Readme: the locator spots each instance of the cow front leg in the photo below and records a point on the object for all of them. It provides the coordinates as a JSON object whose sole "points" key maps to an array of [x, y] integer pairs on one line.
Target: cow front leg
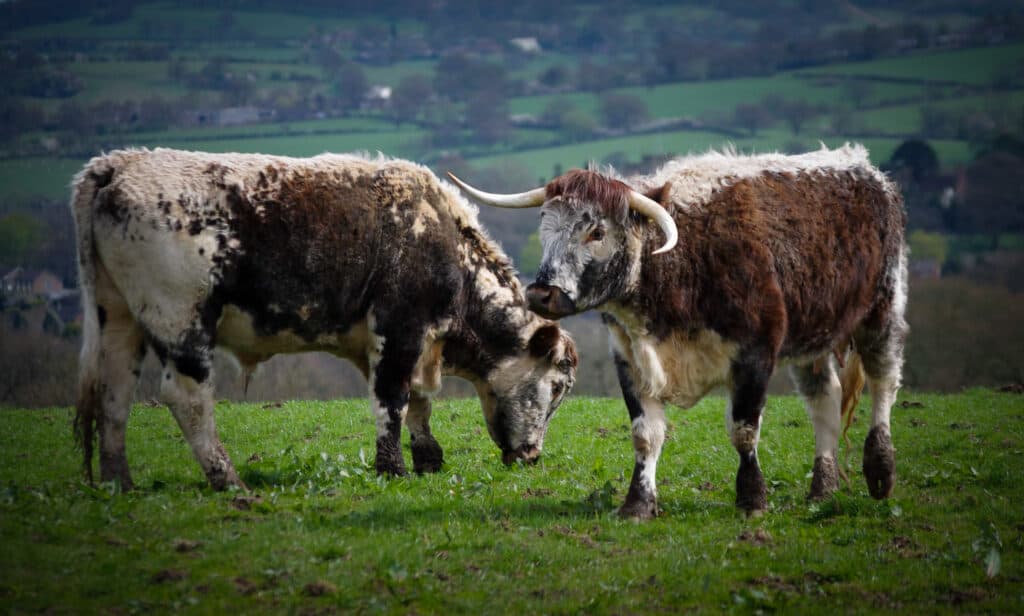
{"points": [[392, 360], [823, 397], [743, 422], [427, 455], [647, 417]]}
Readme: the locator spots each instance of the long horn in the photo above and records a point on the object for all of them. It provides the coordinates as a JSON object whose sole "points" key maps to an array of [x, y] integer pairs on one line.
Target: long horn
{"points": [[530, 198], [653, 210]]}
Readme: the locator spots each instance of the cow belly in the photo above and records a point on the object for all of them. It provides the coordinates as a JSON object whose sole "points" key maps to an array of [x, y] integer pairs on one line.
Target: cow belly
{"points": [[693, 365], [235, 333], [681, 368]]}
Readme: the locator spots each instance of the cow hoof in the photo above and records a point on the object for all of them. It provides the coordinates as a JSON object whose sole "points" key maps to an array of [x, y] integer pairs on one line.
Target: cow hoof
{"points": [[389, 459], [115, 468], [427, 458], [751, 492], [221, 480], [825, 478], [879, 463], [639, 509]]}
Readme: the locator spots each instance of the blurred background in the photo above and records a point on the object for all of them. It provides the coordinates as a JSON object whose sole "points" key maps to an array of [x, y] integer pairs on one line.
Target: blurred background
{"points": [[508, 95]]}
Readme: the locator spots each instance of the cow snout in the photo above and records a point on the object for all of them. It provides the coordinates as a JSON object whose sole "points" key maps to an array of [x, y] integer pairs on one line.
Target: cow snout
{"points": [[527, 454], [549, 302]]}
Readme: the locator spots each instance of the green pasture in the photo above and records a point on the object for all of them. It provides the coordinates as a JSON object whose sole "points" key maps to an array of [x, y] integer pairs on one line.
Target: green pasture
{"points": [[977, 66], [320, 532]]}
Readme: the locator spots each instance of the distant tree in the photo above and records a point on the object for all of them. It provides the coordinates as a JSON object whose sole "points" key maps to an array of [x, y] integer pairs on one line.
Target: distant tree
{"points": [[20, 233], [577, 125], [994, 203], [926, 245], [623, 110], [916, 157], [592, 77], [487, 116], [409, 97], [555, 110], [794, 112], [752, 117], [349, 86], [556, 76], [458, 77], [17, 117]]}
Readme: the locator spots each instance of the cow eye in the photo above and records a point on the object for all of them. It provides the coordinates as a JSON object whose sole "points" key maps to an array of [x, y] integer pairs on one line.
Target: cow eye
{"points": [[596, 235], [556, 390]]}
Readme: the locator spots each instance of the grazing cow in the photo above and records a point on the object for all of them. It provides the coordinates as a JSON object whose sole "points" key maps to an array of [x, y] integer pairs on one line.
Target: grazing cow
{"points": [[373, 260], [751, 260]]}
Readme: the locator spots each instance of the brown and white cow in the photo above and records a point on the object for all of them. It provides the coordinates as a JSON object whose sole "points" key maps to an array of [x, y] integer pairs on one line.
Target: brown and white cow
{"points": [[751, 260], [371, 259]]}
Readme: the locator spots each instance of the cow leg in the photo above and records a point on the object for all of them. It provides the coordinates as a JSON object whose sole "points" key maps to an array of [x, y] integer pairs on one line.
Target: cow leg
{"points": [[823, 395], [121, 353], [191, 402], [647, 417], [393, 357], [882, 366], [427, 456], [880, 343], [743, 422]]}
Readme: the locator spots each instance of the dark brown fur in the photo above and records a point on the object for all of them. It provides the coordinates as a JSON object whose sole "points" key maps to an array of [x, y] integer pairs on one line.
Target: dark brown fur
{"points": [[790, 263]]}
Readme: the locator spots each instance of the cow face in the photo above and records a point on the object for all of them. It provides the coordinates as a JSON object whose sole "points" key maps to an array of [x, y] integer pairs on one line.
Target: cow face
{"points": [[520, 395], [587, 257], [592, 234]]}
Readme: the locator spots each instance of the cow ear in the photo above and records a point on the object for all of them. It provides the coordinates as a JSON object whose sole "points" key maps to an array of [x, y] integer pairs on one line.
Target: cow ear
{"points": [[661, 194], [544, 340]]}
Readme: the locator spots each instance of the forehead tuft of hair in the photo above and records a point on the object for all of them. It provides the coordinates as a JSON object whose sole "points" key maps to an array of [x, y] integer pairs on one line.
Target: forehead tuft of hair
{"points": [[581, 187]]}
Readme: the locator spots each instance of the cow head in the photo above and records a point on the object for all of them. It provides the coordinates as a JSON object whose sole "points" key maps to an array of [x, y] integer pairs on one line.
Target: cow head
{"points": [[592, 232], [521, 393]]}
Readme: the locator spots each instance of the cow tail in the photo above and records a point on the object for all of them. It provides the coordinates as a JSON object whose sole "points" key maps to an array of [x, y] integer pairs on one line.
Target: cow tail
{"points": [[88, 409], [851, 378]]}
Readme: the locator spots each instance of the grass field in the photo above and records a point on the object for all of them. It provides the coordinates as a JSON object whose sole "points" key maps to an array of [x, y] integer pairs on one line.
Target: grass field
{"points": [[321, 533]]}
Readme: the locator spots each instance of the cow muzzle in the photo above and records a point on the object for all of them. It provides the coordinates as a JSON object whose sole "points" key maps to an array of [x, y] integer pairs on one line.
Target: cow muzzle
{"points": [[549, 302], [526, 453]]}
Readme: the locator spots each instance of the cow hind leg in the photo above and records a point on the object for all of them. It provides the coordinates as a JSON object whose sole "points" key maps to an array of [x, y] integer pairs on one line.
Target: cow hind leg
{"points": [[427, 455], [121, 351], [883, 360], [880, 343], [822, 393], [191, 403]]}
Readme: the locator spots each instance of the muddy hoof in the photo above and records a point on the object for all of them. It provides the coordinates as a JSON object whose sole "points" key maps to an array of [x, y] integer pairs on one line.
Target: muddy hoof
{"points": [[427, 458], [825, 479], [389, 458], [639, 509], [879, 463], [751, 493]]}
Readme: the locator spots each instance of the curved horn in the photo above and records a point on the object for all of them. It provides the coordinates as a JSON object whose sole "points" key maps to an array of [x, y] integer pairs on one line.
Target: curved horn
{"points": [[530, 198], [653, 210]]}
